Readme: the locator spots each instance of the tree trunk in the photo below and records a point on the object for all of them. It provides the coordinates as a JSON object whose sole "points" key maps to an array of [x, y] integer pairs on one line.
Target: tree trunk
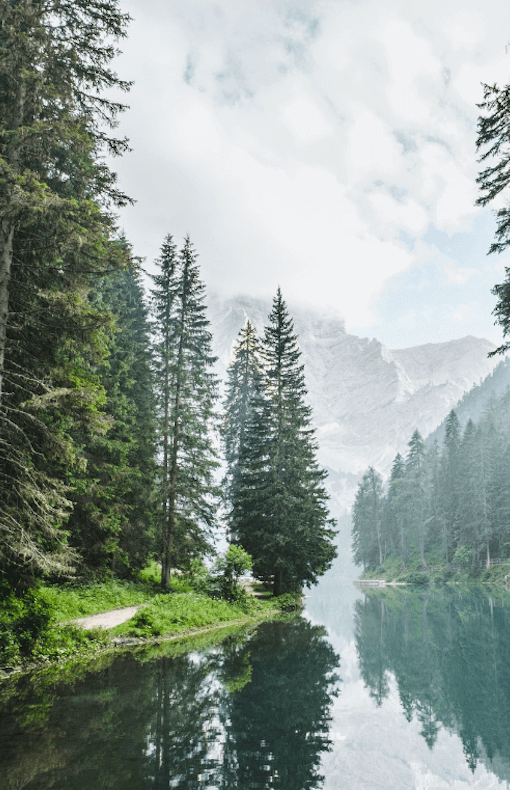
{"points": [[6, 238]]}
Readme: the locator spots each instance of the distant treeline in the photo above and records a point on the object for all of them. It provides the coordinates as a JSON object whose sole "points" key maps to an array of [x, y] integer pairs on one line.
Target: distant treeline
{"points": [[452, 500]]}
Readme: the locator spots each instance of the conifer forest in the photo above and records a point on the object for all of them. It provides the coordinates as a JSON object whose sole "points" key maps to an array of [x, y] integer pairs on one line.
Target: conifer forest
{"points": [[111, 428], [448, 502]]}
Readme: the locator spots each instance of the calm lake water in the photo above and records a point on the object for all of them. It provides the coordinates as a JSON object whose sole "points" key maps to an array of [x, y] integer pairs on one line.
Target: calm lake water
{"points": [[392, 689]]}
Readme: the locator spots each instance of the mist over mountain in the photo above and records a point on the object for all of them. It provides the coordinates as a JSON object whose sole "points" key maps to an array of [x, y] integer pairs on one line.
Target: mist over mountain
{"points": [[477, 400], [367, 399]]}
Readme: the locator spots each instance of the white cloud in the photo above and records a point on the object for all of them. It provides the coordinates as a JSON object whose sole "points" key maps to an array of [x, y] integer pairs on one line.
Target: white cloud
{"points": [[464, 311], [297, 141]]}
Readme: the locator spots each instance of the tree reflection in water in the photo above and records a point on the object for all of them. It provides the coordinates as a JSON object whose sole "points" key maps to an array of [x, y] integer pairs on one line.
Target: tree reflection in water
{"points": [[253, 712], [448, 651]]}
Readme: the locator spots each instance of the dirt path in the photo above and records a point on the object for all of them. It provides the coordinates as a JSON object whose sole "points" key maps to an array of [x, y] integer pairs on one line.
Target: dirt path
{"points": [[107, 619]]}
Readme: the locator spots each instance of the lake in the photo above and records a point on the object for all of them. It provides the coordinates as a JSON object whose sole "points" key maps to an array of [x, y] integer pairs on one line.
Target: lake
{"points": [[392, 688]]}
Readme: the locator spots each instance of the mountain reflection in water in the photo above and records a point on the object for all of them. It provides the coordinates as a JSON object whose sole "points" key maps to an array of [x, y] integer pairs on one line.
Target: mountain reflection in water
{"points": [[253, 712], [449, 652]]}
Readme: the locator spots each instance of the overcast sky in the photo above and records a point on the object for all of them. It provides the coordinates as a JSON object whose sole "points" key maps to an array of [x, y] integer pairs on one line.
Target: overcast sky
{"points": [[324, 146]]}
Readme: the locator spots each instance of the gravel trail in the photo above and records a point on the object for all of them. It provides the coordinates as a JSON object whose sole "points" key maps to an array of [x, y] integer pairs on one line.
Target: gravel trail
{"points": [[107, 619]]}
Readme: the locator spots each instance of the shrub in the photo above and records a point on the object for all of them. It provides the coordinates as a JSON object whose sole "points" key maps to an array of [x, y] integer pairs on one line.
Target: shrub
{"points": [[414, 577], [24, 620]]}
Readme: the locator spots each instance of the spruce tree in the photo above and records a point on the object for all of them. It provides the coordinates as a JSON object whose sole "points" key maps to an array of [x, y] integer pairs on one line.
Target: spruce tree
{"points": [[112, 520], [56, 232], [54, 119], [415, 486], [187, 392], [244, 381], [394, 511], [449, 487], [368, 543], [281, 514]]}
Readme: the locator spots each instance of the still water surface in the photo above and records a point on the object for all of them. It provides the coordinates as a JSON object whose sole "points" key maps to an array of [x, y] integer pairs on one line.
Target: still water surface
{"points": [[387, 689]]}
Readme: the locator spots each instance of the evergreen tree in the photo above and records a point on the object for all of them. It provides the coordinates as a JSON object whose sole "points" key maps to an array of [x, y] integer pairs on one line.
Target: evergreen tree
{"points": [[449, 493], [187, 391], [244, 382], [53, 117], [112, 520], [55, 232], [395, 526], [469, 512], [494, 135], [368, 542], [281, 515], [415, 480]]}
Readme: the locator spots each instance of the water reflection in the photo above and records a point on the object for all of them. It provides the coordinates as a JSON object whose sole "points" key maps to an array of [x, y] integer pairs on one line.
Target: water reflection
{"points": [[253, 712], [449, 653]]}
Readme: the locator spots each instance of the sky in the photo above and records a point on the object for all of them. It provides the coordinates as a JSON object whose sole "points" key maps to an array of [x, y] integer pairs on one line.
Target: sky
{"points": [[323, 146]]}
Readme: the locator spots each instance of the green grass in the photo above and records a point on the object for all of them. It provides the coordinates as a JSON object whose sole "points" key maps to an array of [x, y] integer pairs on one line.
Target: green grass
{"points": [[177, 613], [391, 570], [183, 610], [69, 602]]}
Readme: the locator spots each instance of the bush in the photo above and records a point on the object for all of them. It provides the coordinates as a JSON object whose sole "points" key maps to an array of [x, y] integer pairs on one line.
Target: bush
{"points": [[414, 577], [24, 620], [288, 602]]}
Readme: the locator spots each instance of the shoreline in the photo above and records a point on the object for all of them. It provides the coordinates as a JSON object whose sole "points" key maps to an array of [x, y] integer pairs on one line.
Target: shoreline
{"points": [[120, 644]]}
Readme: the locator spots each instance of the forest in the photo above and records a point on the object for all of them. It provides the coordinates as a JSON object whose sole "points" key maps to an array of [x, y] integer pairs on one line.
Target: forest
{"points": [[444, 505], [112, 434]]}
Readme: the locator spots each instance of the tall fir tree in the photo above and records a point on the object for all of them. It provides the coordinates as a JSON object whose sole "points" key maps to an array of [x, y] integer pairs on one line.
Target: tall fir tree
{"points": [[56, 231], [415, 487], [281, 514], [394, 511], [449, 488], [187, 392], [368, 544], [112, 520], [244, 382]]}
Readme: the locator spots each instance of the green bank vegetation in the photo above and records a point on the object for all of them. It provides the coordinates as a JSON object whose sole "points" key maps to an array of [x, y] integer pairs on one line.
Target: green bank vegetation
{"points": [[110, 431], [33, 628]]}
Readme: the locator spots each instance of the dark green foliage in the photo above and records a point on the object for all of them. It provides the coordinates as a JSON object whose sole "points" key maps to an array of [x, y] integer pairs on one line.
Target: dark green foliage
{"points": [[56, 232], [186, 393], [279, 510], [112, 521], [24, 619], [244, 385], [494, 135]]}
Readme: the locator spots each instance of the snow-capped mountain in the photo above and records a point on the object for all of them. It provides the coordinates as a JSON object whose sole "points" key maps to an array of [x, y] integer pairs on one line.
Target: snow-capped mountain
{"points": [[367, 400]]}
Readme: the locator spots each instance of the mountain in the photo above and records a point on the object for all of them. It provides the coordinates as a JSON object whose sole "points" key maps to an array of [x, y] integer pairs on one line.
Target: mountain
{"points": [[477, 400], [367, 399]]}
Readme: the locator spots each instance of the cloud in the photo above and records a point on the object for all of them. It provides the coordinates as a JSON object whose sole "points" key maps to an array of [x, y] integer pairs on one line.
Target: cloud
{"points": [[464, 311], [307, 144]]}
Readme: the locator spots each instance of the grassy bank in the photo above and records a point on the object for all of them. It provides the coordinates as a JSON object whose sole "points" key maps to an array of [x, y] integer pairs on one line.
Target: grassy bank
{"points": [[36, 629], [437, 571]]}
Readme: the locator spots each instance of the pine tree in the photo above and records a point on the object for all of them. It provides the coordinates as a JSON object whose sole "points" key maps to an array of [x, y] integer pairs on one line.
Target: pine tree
{"points": [[494, 134], [369, 548], [53, 121], [244, 381], [187, 391], [394, 511], [449, 488], [55, 233], [112, 520], [415, 480], [281, 515]]}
